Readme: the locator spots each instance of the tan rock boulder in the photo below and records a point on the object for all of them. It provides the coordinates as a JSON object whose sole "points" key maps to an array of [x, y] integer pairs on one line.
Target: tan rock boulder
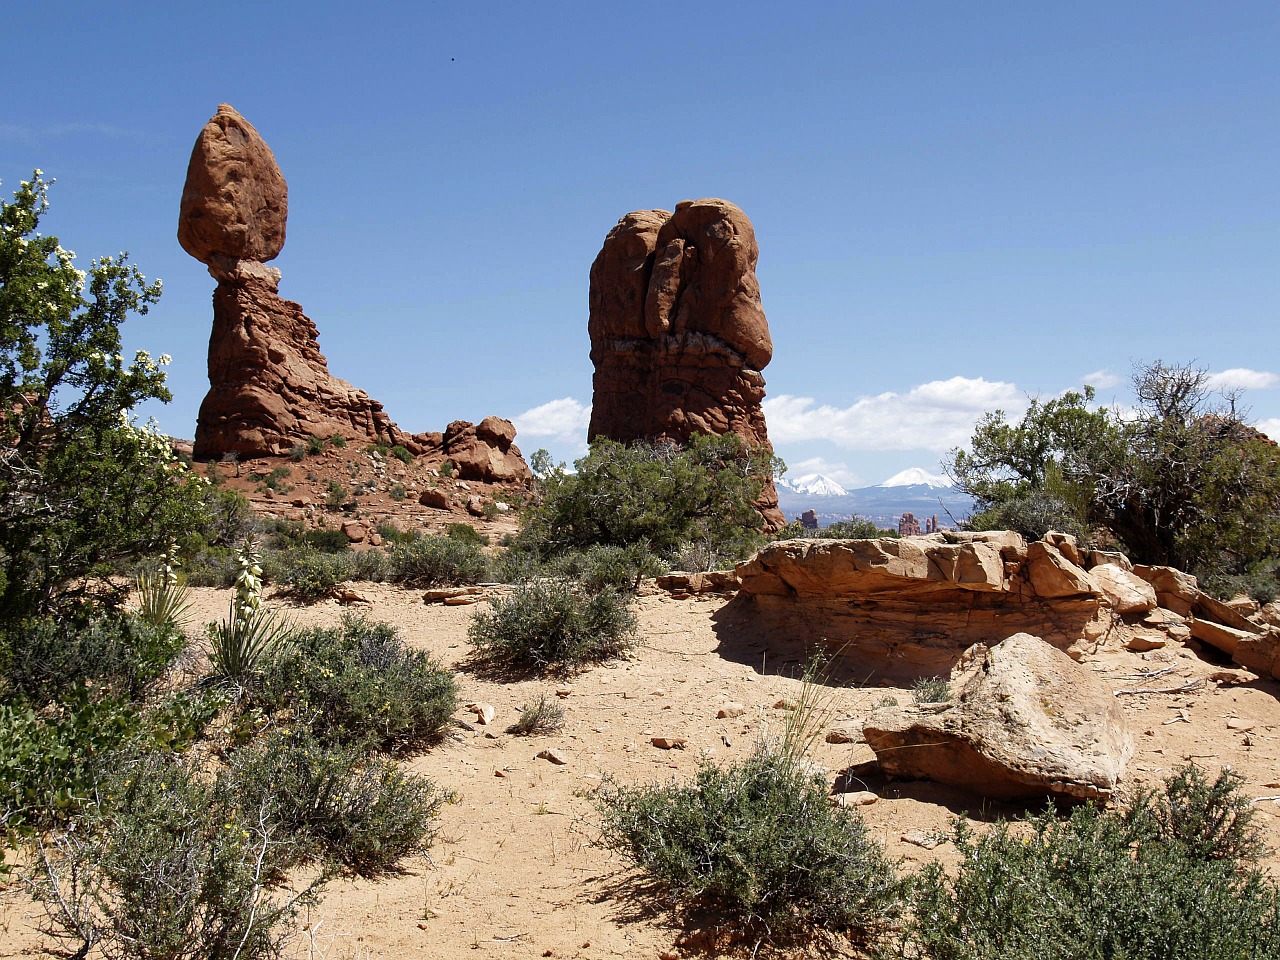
{"points": [[1175, 590], [678, 332], [486, 452], [1125, 591], [909, 607], [1026, 721], [235, 200]]}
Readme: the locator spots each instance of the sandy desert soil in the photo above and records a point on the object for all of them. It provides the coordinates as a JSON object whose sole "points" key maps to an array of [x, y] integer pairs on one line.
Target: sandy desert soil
{"points": [[516, 872]]}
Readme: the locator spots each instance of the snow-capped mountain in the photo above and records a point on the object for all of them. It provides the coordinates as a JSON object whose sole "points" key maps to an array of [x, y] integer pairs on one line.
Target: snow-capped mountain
{"points": [[813, 485], [917, 477]]}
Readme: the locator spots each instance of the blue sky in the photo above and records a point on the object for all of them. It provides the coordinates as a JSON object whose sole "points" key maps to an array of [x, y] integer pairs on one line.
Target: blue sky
{"points": [[957, 205]]}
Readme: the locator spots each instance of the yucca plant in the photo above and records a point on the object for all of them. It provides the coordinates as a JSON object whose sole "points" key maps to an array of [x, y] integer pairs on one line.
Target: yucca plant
{"points": [[162, 595], [250, 631]]}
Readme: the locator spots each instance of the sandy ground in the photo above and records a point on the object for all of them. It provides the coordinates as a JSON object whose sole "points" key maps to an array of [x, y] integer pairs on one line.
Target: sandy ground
{"points": [[516, 871]]}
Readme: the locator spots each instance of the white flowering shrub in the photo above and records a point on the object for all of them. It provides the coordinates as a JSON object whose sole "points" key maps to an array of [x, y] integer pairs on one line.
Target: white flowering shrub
{"points": [[82, 487]]}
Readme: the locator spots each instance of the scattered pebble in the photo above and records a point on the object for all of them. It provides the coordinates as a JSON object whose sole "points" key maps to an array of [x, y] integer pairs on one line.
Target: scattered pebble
{"points": [[921, 839], [858, 798], [730, 710], [558, 757], [670, 743]]}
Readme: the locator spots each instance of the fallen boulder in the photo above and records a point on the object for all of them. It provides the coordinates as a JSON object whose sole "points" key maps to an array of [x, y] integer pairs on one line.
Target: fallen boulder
{"points": [[1025, 721]]}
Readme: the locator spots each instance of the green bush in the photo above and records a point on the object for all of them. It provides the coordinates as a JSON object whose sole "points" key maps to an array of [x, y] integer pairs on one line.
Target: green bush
{"points": [[173, 867], [552, 624], [310, 575], [117, 655], [465, 533], [437, 561], [931, 690], [298, 452], [660, 497], [359, 684], [599, 567], [392, 534], [1158, 881], [327, 540], [401, 454], [374, 565], [397, 491], [336, 803], [757, 844]]}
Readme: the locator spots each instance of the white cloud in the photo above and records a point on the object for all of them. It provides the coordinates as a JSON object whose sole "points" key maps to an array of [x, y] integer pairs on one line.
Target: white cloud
{"points": [[839, 472], [565, 420], [1101, 379], [1270, 426], [1241, 378], [937, 415]]}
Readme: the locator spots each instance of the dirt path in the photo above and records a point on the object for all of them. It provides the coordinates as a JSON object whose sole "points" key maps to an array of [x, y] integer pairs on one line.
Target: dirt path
{"points": [[515, 873]]}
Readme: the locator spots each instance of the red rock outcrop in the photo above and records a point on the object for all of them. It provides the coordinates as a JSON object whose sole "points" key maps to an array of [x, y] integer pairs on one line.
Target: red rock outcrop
{"points": [[678, 333], [269, 384]]}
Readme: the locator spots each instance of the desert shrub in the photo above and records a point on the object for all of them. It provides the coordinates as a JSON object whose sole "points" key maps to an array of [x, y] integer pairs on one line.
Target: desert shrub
{"points": [[327, 540], [1105, 884], [335, 802], [393, 534], [359, 683], [316, 444], [171, 868], [437, 561], [539, 716], [931, 690], [298, 452], [446, 469], [251, 633], [465, 533], [401, 454], [119, 655], [759, 845], [338, 441], [599, 567], [660, 497], [372, 565], [552, 624], [335, 495], [311, 575], [397, 491], [211, 567]]}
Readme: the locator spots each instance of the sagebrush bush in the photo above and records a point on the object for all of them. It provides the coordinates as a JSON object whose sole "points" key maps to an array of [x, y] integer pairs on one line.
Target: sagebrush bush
{"points": [[437, 561], [170, 868], [931, 690], [117, 654], [310, 575], [466, 533], [359, 683], [598, 567], [539, 716], [336, 802], [759, 845], [553, 624], [1158, 881]]}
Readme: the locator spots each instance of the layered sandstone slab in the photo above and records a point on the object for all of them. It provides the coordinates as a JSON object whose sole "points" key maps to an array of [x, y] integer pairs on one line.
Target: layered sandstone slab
{"points": [[909, 607], [1024, 721], [678, 333]]}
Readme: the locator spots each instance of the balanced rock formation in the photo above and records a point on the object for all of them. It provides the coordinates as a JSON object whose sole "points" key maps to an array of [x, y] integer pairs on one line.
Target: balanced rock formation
{"points": [[269, 384], [1024, 721], [678, 333]]}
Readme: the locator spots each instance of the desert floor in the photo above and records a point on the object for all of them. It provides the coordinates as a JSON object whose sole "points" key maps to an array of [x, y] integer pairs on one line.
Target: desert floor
{"points": [[516, 871]]}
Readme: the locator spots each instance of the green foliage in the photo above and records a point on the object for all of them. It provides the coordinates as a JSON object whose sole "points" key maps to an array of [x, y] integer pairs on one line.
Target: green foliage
{"points": [[372, 565], [316, 444], [550, 623], [397, 491], [437, 561], [600, 567], [172, 867], [335, 495], [540, 716], [336, 803], [401, 454], [465, 533], [446, 469], [251, 633], [757, 844], [1180, 481], [81, 488], [360, 684], [298, 452], [311, 575], [115, 655], [1105, 884], [931, 690], [660, 497], [327, 540]]}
